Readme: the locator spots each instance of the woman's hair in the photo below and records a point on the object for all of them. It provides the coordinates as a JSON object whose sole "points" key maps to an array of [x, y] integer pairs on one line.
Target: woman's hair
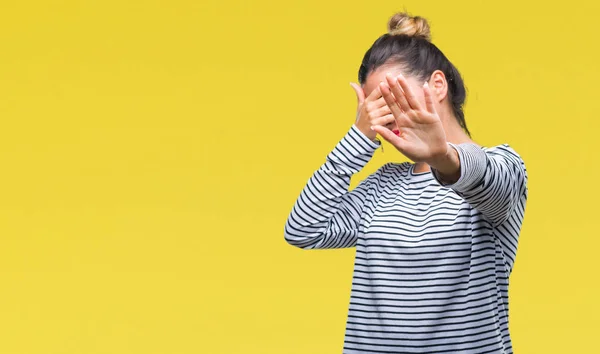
{"points": [[408, 45]]}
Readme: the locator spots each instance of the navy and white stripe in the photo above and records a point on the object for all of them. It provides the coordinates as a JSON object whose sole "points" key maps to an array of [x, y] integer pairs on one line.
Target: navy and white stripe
{"points": [[432, 262]]}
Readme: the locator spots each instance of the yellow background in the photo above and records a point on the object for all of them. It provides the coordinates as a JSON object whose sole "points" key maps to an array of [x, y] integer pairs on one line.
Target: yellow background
{"points": [[150, 152]]}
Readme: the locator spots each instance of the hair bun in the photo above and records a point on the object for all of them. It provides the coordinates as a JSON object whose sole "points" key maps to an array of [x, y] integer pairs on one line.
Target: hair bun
{"points": [[414, 26]]}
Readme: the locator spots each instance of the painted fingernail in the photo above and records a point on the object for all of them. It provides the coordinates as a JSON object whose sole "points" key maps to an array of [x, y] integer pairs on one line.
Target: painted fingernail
{"points": [[396, 131]]}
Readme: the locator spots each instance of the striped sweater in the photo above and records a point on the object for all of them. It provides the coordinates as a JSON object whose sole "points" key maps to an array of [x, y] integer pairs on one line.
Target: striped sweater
{"points": [[432, 262]]}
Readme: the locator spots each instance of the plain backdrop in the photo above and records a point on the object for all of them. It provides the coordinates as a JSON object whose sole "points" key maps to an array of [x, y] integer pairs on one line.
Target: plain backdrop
{"points": [[151, 151]]}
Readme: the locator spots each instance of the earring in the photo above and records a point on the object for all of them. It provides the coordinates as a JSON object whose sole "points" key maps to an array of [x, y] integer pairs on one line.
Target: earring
{"points": [[380, 144]]}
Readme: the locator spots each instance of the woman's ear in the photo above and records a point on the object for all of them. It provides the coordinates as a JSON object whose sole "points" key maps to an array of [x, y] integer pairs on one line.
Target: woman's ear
{"points": [[439, 85]]}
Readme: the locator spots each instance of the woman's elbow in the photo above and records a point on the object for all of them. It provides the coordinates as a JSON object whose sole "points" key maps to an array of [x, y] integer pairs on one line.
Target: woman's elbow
{"points": [[300, 241]]}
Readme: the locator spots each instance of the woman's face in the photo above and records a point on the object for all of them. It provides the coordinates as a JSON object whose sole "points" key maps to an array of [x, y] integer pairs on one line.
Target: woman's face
{"points": [[377, 76]]}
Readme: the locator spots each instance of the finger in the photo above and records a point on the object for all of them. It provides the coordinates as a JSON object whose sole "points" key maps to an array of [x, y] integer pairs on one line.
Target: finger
{"points": [[398, 92], [401, 121], [429, 99], [392, 138], [408, 93], [378, 103], [374, 95], [388, 135], [385, 120], [360, 94], [379, 112], [390, 100]]}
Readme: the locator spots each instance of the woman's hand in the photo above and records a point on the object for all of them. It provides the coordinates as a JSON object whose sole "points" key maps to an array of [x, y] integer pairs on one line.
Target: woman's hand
{"points": [[370, 111], [422, 137]]}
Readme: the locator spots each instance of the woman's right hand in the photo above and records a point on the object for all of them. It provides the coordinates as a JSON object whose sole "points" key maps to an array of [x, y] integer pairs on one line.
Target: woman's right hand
{"points": [[372, 110]]}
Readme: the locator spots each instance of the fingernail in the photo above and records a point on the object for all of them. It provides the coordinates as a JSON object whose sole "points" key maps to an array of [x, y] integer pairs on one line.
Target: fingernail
{"points": [[426, 84], [396, 131], [372, 128]]}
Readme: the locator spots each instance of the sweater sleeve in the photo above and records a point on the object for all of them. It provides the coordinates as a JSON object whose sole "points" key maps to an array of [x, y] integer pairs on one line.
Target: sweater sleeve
{"points": [[326, 214], [492, 181]]}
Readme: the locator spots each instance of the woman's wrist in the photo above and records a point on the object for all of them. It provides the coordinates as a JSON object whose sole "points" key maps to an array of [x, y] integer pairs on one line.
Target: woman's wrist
{"points": [[447, 165], [367, 131]]}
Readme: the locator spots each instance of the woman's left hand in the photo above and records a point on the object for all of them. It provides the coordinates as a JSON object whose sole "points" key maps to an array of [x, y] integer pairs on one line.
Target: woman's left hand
{"points": [[422, 137]]}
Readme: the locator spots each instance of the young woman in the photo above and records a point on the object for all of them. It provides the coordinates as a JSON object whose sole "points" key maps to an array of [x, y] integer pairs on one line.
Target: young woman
{"points": [[435, 240]]}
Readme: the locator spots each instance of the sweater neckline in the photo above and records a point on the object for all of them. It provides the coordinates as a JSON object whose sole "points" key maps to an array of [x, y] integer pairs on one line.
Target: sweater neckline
{"points": [[417, 176]]}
